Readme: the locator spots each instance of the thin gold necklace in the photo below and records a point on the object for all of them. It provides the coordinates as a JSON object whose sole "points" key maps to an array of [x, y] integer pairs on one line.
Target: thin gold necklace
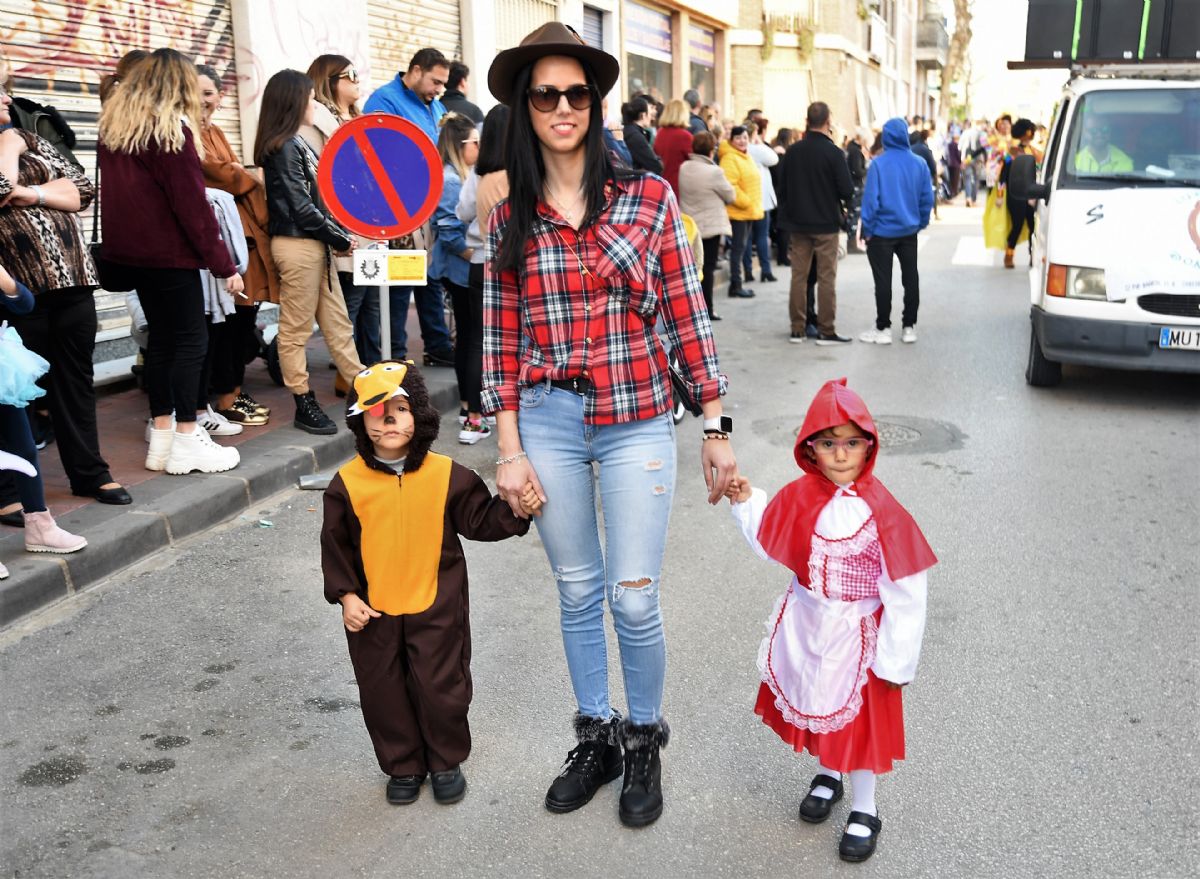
{"points": [[570, 217]]}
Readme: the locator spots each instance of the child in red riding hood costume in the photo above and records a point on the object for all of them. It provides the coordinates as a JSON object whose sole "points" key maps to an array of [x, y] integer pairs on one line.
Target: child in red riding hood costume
{"points": [[846, 635]]}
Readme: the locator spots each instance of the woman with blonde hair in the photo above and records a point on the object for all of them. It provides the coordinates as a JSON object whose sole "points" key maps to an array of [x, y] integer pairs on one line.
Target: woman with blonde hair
{"points": [[160, 231], [673, 143], [128, 61]]}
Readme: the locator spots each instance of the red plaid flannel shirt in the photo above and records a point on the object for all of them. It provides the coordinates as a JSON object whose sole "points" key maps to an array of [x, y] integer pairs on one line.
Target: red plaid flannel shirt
{"points": [[586, 304]]}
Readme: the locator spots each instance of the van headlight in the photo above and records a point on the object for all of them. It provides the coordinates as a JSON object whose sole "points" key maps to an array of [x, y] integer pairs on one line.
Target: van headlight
{"points": [[1076, 282], [1086, 283]]}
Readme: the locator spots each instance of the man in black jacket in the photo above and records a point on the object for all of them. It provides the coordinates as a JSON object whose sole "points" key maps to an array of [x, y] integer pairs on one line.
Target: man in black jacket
{"points": [[635, 118], [455, 98], [815, 192]]}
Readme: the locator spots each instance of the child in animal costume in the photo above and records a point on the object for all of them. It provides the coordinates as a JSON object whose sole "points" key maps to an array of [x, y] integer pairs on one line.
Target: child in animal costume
{"points": [[846, 635], [391, 555]]}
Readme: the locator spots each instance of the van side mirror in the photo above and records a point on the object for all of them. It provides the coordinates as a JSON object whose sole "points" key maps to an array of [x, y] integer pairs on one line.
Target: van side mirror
{"points": [[1038, 191]]}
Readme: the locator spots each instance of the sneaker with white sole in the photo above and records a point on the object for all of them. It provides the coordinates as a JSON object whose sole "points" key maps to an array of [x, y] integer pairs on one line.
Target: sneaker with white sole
{"points": [[197, 451], [473, 431], [159, 447], [217, 424], [150, 426], [908, 334], [876, 337]]}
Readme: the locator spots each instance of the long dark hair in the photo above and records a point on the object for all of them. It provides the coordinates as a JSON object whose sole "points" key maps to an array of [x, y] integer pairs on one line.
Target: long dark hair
{"points": [[527, 171], [284, 101], [492, 141]]}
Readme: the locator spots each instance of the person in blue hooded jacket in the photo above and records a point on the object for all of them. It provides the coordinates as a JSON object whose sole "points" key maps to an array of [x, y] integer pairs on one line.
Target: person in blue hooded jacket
{"points": [[896, 206]]}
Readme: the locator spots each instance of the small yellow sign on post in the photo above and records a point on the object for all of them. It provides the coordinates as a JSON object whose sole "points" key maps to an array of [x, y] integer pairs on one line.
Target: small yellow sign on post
{"points": [[392, 268], [406, 267]]}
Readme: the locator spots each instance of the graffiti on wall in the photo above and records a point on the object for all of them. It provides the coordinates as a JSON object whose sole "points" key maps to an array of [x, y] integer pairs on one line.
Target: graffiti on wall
{"points": [[65, 47]]}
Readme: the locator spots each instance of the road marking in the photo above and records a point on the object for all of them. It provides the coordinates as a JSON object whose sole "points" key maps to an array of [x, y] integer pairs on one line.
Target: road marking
{"points": [[971, 252]]}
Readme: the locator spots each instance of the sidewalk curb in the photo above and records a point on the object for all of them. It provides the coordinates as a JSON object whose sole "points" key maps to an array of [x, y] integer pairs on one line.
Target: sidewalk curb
{"points": [[169, 509]]}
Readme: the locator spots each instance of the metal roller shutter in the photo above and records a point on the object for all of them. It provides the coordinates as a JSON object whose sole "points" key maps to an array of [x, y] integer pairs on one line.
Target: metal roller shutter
{"points": [[593, 27], [517, 18], [57, 52], [399, 30]]}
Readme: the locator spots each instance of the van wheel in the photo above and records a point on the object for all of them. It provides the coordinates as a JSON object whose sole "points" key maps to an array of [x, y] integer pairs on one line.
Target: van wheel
{"points": [[1040, 372]]}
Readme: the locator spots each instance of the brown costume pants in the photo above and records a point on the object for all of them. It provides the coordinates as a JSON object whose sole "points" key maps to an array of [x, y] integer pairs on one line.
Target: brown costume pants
{"points": [[414, 683], [802, 250]]}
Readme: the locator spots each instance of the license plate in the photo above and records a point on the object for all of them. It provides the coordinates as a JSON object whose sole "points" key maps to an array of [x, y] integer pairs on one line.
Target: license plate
{"points": [[1174, 337]]}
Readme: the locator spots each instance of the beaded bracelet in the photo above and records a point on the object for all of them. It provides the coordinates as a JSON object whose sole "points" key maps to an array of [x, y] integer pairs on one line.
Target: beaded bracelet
{"points": [[511, 459], [715, 436]]}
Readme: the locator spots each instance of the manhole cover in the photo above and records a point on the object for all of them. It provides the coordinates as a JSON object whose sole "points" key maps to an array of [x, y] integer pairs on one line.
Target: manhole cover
{"points": [[898, 434], [892, 435]]}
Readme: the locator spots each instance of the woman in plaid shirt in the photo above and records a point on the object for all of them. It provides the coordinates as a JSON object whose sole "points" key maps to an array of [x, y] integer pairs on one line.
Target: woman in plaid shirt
{"points": [[582, 259]]}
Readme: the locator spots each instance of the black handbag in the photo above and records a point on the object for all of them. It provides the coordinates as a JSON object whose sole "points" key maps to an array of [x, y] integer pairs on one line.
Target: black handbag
{"points": [[113, 276], [680, 390]]}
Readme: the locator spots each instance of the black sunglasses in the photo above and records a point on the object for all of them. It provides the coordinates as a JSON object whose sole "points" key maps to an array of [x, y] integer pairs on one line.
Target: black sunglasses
{"points": [[546, 97]]}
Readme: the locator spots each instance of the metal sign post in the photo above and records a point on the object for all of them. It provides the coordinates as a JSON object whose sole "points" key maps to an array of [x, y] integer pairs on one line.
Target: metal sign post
{"points": [[381, 178]]}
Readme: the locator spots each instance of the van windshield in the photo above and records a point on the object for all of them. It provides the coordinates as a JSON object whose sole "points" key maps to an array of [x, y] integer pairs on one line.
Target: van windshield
{"points": [[1134, 137]]}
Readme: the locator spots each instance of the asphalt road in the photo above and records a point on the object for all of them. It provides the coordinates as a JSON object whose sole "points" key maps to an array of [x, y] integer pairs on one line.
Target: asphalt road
{"points": [[197, 716]]}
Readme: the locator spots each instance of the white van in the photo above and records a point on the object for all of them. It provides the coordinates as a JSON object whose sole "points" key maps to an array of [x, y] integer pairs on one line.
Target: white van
{"points": [[1115, 280]]}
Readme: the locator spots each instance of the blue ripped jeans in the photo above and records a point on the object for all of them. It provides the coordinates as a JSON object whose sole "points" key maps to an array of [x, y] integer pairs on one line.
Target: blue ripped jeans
{"points": [[637, 482]]}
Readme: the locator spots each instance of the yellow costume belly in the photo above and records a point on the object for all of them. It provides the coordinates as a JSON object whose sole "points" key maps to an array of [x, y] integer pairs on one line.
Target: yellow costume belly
{"points": [[402, 521]]}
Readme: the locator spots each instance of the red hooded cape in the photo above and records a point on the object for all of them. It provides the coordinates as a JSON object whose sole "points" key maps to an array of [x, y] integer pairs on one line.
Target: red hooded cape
{"points": [[791, 516]]}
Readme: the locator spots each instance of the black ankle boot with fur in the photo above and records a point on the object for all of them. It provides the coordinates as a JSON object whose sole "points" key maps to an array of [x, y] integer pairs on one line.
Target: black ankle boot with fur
{"points": [[595, 761], [641, 795]]}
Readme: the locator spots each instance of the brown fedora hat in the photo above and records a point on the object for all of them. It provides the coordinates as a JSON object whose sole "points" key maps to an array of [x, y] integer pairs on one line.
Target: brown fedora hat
{"points": [[554, 38]]}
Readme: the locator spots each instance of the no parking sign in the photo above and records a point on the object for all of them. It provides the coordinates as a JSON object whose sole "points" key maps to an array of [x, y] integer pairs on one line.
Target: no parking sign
{"points": [[380, 176]]}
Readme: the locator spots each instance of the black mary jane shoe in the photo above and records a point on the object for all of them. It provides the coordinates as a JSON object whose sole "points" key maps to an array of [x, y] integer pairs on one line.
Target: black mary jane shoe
{"points": [[449, 786], [404, 789], [814, 810], [118, 496], [859, 848], [15, 519]]}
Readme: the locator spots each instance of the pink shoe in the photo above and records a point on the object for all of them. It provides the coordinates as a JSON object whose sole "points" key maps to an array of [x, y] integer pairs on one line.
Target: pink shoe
{"points": [[42, 534]]}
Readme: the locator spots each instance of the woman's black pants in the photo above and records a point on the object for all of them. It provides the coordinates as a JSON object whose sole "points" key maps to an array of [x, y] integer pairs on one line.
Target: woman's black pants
{"points": [[174, 305], [468, 336], [62, 329]]}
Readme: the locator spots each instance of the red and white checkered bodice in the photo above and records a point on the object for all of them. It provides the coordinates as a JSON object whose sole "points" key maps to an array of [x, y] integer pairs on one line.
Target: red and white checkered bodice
{"points": [[847, 569]]}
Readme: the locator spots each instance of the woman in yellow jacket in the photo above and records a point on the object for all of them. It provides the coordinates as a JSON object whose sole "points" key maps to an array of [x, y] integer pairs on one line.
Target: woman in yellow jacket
{"points": [[742, 172]]}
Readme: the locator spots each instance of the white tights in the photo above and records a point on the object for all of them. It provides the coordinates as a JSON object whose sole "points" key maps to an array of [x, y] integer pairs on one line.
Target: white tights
{"points": [[862, 790]]}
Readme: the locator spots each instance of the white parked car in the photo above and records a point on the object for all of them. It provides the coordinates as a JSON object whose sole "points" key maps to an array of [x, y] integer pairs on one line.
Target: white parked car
{"points": [[1115, 280]]}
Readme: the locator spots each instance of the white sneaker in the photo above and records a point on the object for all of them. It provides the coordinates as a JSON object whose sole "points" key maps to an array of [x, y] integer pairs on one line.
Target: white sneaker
{"points": [[150, 426], [876, 337], [908, 334], [217, 424], [160, 447], [197, 451], [473, 433], [3, 572]]}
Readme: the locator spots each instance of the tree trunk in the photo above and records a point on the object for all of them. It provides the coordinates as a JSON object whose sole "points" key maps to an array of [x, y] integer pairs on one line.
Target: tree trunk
{"points": [[960, 41]]}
